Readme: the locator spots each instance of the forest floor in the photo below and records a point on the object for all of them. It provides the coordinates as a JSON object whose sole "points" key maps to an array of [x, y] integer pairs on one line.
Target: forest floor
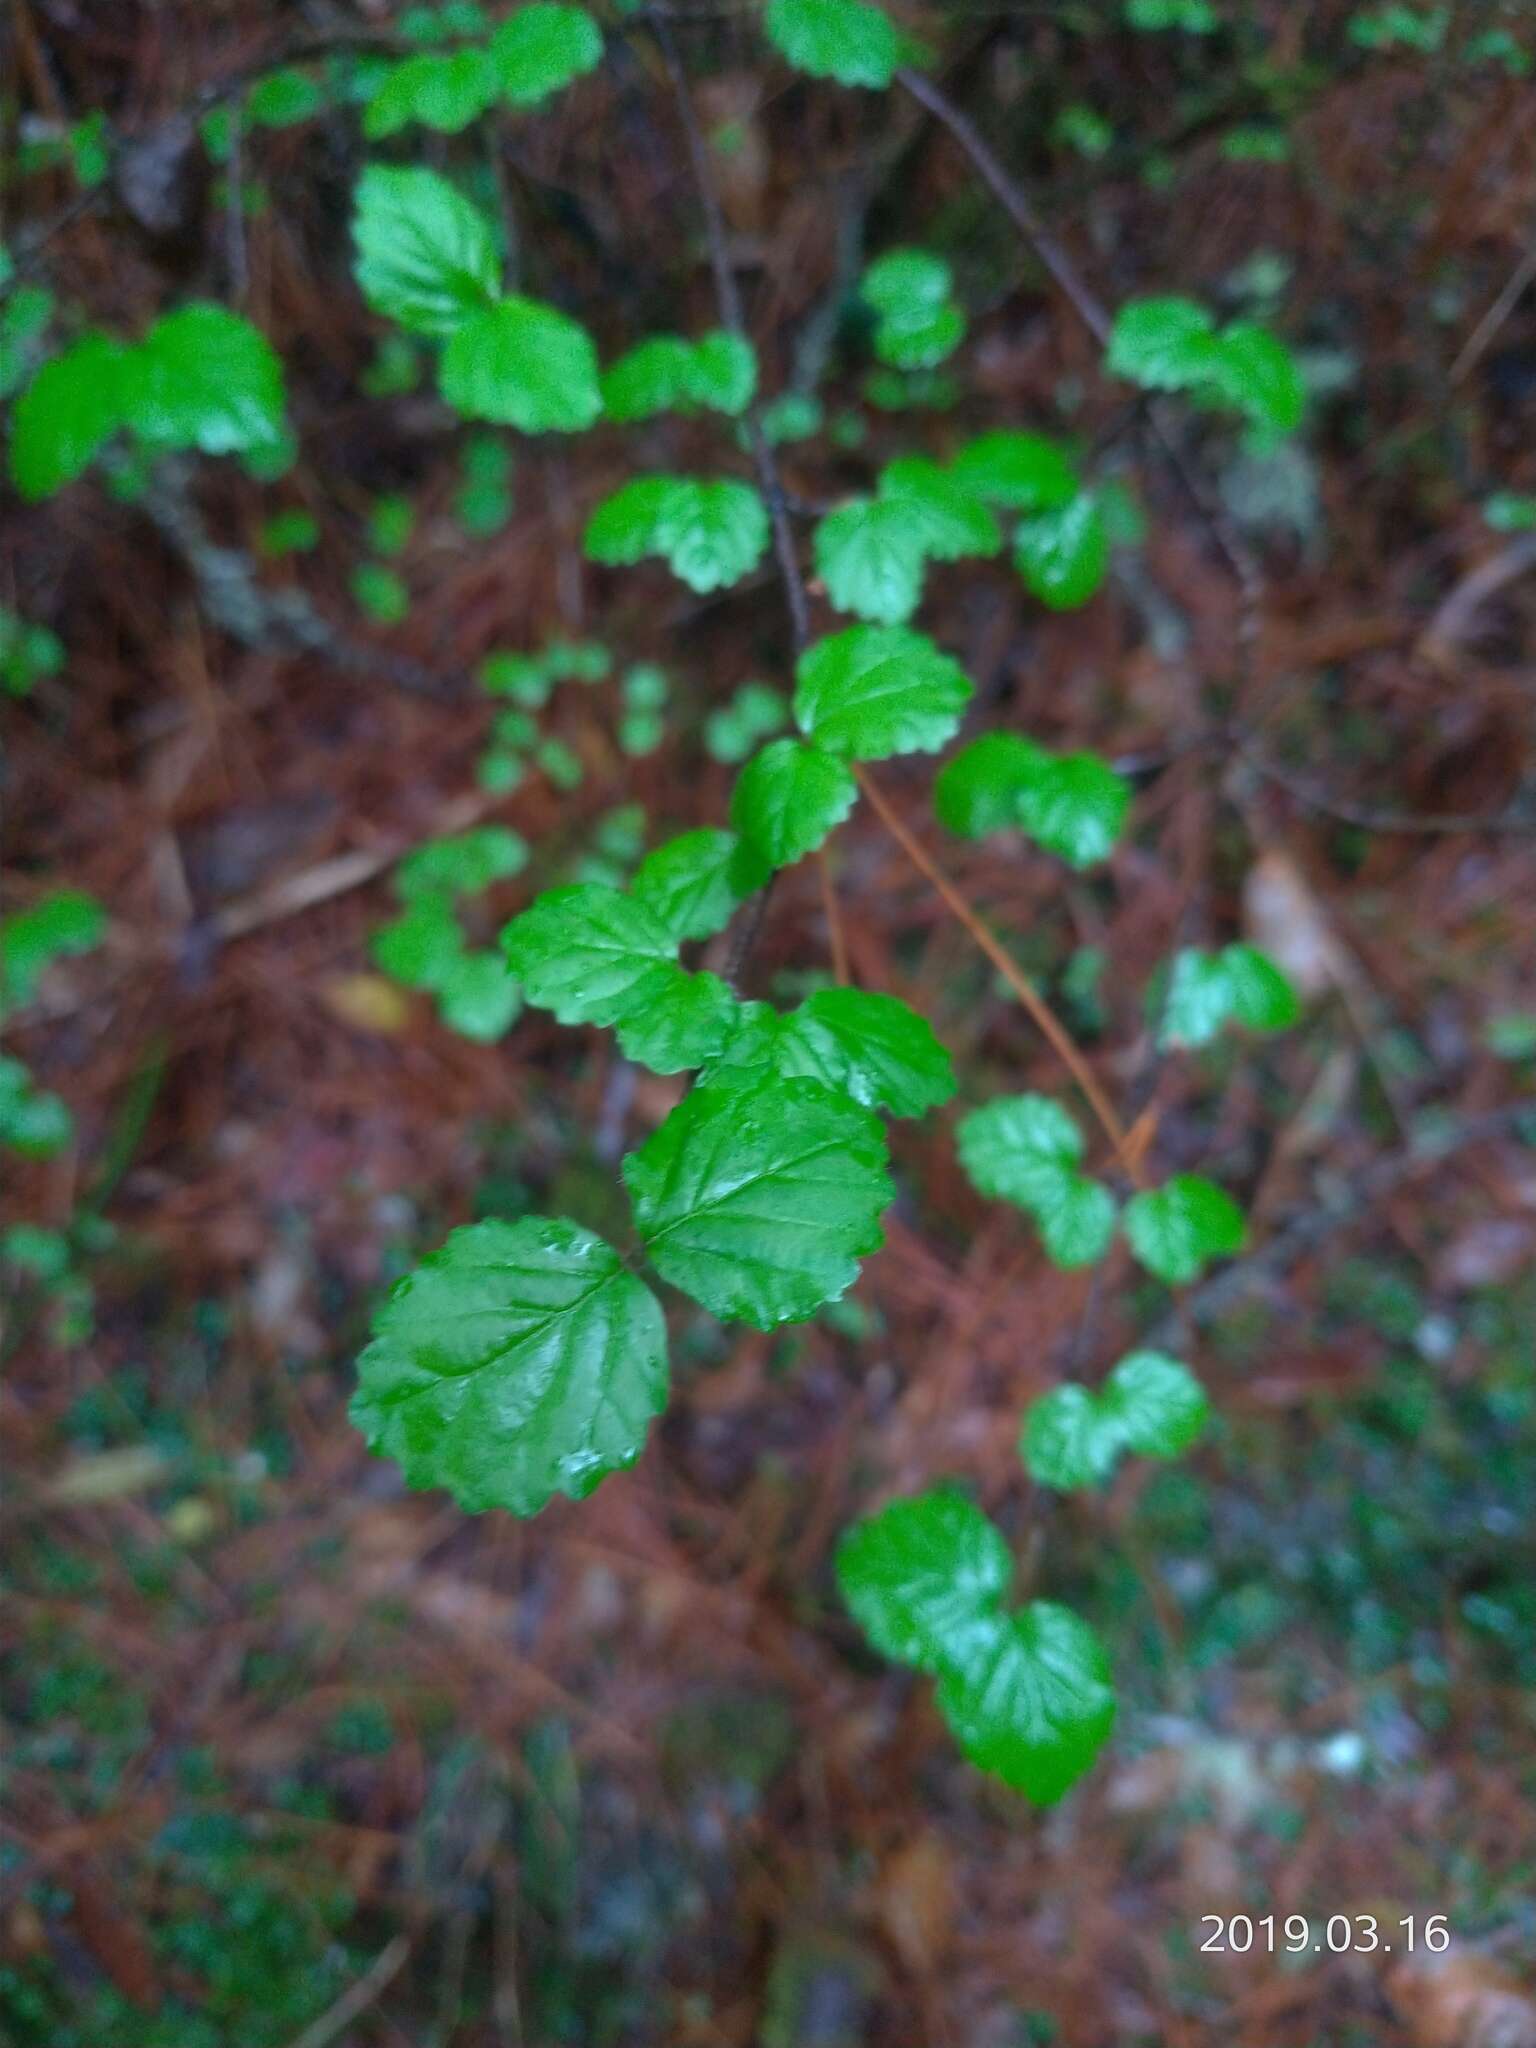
{"points": [[296, 1758]]}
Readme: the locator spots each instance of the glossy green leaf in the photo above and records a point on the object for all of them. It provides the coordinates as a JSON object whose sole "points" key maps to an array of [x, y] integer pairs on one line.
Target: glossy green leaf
{"points": [[1024, 472], [1171, 344], [693, 884], [677, 1020], [66, 922], [1177, 1229], [710, 532], [543, 48], [1149, 1404], [1027, 1150], [873, 691], [589, 953], [441, 89], [1034, 1703], [872, 1047], [788, 798], [523, 364], [848, 40], [70, 410], [1238, 985], [1063, 555], [519, 1361], [921, 1576], [425, 256], [759, 1202], [1074, 805]]}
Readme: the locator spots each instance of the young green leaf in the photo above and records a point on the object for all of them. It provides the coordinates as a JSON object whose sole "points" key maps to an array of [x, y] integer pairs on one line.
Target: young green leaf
{"points": [[872, 691], [478, 997], [1033, 1702], [463, 864], [693, 884], [1177, 1229], [717, 373], [1237, 985], [869, 1046], [788, 798], [1027, 1150], [425, 255], [953, 521], [64, 923], [33, 1122], [589, 953], [869, 554], [920, 1576], [519, 1361], [1074, 805], [1171, 344], [422, 948], [1256, 373], [711, 533], [66, 415], [677, 1020], [543, 48], [1150, 1404], [522, 364], [442, 89], [843, 39], [1063, 555], [760, 1201], [1023, 472], [917, 323]]}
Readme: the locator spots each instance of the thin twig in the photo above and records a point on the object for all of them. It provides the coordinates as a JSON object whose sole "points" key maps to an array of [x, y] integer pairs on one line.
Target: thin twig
{"points": [[1045, 1018]]}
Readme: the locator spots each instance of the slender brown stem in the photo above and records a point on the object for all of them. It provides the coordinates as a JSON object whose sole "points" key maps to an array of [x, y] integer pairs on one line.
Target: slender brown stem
{"points": [[1050, 1026]]}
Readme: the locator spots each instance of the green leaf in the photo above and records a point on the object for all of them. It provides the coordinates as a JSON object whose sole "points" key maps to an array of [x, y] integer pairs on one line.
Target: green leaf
{"points": [[519, 1361], [32, 1122], [917, 323], [1237, 985], [869, 554], [24, 318], [953, 522], [72, 407], [284, 98], [1177, 1229], [1171, 344], [788, 798], [1024, 472], [693, 884], [869, 1046], [543, 48], [462, 865], [759, 1202], [667, 374], [1163, 344], [442, 89], [677, 1021], [872, 691], [423, 947], [1063, 555], [923, 1577], [712, 533], [523, 364], [479, 998], [843, 39], [425, 256], [1034, 1703], [1150, 1404], [1026, 1149], [1074, 805], [58, 925], [589, 953], [204, 378]]}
